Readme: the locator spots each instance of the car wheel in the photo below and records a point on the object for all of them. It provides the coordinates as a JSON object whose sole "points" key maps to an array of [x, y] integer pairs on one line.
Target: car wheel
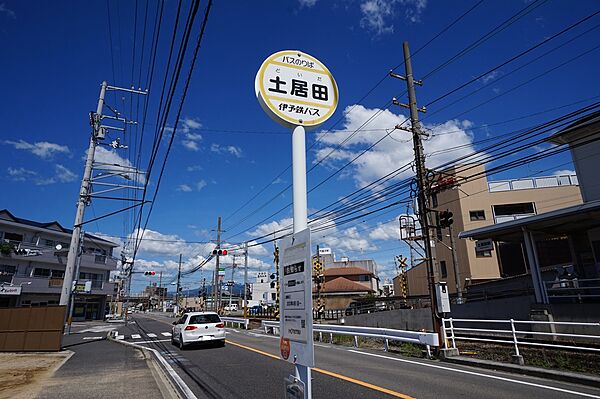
{"points": [[221, 343], [181, 344], [172, 340]]}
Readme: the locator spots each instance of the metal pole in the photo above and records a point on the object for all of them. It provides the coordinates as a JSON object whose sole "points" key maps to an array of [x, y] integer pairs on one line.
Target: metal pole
{"points": [[421, 183], [455, 265], [160, 300], [300, 202], [216, 286], [231, 286], [72, 298], [246, 279], [176, 310], [82, 202]]}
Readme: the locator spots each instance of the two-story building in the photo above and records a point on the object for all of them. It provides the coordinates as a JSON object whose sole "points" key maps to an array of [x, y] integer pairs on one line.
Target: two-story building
{"points": [[33, 257]]}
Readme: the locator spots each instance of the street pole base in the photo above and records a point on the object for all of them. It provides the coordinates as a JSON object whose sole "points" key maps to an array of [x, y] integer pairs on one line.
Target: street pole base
{"points": [[518, 359], [449, 352]]}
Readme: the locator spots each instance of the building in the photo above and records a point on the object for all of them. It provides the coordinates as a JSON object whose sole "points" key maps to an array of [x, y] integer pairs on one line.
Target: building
{"points": [[476, 203], [262, 290], [33, 256], [558, 252], [346, 280]]}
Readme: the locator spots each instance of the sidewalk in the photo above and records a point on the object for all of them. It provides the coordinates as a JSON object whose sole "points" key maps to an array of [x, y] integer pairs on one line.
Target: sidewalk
{"points": [[104, 369]]}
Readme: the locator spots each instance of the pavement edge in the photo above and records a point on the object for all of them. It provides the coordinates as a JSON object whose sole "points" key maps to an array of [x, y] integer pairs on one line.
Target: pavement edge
{"points": [[167, 376], [565, 376]]}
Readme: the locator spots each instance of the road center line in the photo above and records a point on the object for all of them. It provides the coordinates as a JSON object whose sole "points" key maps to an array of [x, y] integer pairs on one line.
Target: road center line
{"points": [[479, 374], [330, 373]]}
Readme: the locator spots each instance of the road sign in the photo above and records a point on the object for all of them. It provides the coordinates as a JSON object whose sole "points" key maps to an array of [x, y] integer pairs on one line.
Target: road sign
{"points": [[484, 245], [4, 290], [295, 319], [296, 89]]}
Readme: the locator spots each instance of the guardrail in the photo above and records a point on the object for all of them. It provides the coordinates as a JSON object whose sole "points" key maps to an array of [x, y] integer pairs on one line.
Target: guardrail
{"points": [[387, 334], [509, 332], [236, 320], [574, 288]]}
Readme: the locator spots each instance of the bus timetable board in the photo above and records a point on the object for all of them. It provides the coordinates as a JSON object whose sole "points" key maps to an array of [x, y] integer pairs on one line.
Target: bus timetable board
{"points": [[296, 300]]}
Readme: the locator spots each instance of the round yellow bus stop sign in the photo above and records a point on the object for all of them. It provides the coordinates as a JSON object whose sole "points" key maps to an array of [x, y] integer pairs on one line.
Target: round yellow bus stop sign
{"points": [[296, 89]]}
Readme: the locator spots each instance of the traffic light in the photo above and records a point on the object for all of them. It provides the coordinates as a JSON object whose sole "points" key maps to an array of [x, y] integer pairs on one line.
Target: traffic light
{"points": [[446, 219], [273, 280], [318, 276], [219, 252], [149, 273]]}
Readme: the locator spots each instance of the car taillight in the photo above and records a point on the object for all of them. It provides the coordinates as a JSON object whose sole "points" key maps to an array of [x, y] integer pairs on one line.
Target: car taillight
{"points": [[188, 328], [220, 325]]}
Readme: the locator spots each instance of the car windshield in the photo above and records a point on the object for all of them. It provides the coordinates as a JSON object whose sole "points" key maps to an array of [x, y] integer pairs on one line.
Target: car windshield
{"points": [[204, 318]]}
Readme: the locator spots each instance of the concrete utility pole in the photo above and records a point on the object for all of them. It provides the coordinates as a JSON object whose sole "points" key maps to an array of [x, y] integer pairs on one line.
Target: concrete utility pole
{"points": [[82, 202], [76, 278], [231, 286], [216, 285], [178, 287], [455, 265], [421, 172], [160, 296], [245, 279]]}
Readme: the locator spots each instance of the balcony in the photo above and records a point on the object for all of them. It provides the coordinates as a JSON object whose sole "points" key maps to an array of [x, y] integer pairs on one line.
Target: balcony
{"points": [[531, 183], [50, 255], [46, 285]]}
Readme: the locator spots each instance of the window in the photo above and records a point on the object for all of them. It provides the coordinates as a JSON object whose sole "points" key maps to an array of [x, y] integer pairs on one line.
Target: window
{"points": [[434, 200], [41, 272], [58, 273], [483, 254], [273, 296], [13, 237], [514, 209], [204, 318], [363, 277], [477, 215], [443, 269]]}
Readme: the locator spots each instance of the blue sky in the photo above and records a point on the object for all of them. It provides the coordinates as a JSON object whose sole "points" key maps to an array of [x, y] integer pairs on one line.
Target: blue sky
{"points": [[54, 56]]}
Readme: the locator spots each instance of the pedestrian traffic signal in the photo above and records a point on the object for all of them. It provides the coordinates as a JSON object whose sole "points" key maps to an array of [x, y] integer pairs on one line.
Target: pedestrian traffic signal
{"points": [[219, 252], [446, 219], [149, 273]]}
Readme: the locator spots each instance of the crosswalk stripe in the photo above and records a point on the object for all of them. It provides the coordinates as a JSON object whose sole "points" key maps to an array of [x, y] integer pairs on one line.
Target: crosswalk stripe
{"points": [[120, 337], [136, 336], [166, 334], [152, 335], [92, 337]]}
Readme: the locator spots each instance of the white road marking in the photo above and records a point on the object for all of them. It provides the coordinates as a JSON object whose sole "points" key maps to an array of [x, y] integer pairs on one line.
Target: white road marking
{"points": [[151, 335], [494, 377], [120, 337], [93, 337], [97, 329], [136, 336], [166, 334], [263, 335], [323, 346]]}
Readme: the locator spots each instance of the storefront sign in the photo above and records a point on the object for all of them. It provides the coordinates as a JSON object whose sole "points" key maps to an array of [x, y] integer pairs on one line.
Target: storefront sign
{"points": [[10, 290], [484, 245]]}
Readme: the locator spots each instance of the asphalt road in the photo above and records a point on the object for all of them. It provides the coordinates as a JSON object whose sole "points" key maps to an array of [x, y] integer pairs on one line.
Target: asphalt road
{"points": [[249, 367]]}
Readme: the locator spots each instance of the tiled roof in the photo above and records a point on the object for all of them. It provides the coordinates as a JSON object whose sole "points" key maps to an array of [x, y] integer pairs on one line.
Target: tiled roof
{"points": [[346, 271], [342, 284]]}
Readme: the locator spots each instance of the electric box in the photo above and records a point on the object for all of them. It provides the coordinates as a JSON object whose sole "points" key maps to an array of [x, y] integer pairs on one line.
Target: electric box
{"points": [[443, 300]]}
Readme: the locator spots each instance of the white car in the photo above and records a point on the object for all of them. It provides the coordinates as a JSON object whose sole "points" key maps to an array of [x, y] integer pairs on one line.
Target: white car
{"points": [[195, 327]]}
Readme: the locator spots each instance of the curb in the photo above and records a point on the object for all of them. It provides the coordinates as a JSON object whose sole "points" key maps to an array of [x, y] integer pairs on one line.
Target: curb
{"points": [[565, 376], [179, 388]]}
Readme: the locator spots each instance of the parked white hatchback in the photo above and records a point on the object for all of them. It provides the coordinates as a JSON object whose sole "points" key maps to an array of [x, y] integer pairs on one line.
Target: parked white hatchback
{"points": [[196, 327]]}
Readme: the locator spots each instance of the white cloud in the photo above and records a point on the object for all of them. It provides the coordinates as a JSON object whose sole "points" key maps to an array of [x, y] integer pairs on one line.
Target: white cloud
{"points": [[184, 187], [191, 140], [190, 145], [194, 168], [307, 3], [490, 76], [233, 150], [200, 185], [190, 124], [20, 174], [117, 164], [377, 14], [10, 13], [564, 172], [393, 151], [42, 149], [269, 228], [63, 174], [386, 231], [279, 180]]}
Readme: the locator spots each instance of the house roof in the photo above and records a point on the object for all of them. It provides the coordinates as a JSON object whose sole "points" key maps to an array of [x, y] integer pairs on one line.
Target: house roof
{"points": [[573, 218], [54, 225], [342, 284], [346, 271], [588, 124]]}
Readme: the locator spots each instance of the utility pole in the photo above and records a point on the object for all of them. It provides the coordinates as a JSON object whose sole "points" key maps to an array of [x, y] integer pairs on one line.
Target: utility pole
{"points": [[216, 286], [75, 279], [455, 265], [231, 286], [82, 202], [421, 173], [160, 296], [178, 287], [245, 279]]}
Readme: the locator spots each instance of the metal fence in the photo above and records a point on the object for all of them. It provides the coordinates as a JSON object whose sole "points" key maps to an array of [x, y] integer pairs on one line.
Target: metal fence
{"points": [[236, 321], [573, 289], [549, 334], [386, 334]]}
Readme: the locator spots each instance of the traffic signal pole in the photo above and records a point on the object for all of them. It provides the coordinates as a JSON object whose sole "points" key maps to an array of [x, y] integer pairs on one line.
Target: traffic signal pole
{"points": [[216, 285], [246, 279], [178, 287]]}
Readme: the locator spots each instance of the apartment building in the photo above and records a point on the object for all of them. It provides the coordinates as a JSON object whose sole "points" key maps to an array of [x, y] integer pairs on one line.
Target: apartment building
{"points": [[476, 203], [33, 257]]}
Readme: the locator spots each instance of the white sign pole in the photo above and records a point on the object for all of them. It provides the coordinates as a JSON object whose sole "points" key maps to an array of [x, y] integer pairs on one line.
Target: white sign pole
{"points": [[303, 373]]}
